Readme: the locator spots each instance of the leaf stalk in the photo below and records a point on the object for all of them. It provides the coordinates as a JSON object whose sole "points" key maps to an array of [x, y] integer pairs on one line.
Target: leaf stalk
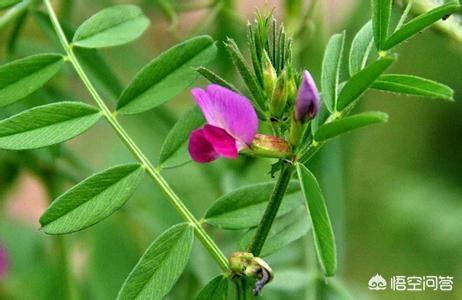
{"points": [[171, 196]]}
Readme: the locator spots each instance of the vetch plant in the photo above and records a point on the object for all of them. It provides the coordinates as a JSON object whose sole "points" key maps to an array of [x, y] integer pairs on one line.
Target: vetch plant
{"points": [[283, 114]]}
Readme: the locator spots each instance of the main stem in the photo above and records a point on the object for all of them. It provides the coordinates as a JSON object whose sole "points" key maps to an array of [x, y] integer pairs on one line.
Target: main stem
{"points": [[53, 185], [174, 200], [272, 209]]}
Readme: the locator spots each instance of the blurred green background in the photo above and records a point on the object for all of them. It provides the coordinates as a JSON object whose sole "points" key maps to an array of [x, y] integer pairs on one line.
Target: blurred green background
{"points": [[394, 191]]}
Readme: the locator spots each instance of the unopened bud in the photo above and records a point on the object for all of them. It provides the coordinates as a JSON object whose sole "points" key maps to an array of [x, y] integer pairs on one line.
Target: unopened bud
{"points": [[270, 146], [279, 98], [307, 102], [291, 85], [269, 74]]}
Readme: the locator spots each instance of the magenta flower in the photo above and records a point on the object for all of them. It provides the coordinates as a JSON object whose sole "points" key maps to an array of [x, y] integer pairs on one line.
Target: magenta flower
{"points": [[232, 124], [307, 102], [3, 262]]}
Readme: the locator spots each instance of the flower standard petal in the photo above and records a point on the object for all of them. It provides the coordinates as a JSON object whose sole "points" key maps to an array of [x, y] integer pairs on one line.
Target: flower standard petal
{"points": [[222, 142], [307, 103], [200, 149], [228, 110]]}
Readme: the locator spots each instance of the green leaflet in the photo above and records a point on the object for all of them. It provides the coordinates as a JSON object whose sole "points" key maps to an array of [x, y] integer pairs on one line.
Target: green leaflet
{"points": [[244, 207], [361, 81], [331, 69], [111, 26], [214, 78], [24, 76], [167, 75], [285, 230], [381, 12], [91, 59], [413, 85], [160, 266], [335, 128], [8, 3], [46, 125], [174, 149], [216, 289], [360, 48], [92, 200], [290, 280], [322, 228], [419, 23]]}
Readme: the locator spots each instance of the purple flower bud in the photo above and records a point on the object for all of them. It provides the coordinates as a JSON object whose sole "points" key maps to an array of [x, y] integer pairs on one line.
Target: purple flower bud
{"points": [[307, 103], [3, 261]]}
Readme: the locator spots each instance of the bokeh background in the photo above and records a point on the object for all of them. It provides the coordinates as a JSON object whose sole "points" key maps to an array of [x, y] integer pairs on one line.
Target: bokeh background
{"points": [[394, 191]]}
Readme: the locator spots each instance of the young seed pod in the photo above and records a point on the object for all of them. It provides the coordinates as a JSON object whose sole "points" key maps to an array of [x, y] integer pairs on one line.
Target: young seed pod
{"points": [[269, 74], [291, 86], [280, 94]]}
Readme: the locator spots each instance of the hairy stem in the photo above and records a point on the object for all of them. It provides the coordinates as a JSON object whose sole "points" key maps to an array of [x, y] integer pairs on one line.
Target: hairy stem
{"points": [[173, 198], [271, 210]]}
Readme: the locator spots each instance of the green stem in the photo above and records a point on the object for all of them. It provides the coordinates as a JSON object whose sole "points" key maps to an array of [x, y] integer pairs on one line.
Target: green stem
{"points": [[404, 16], [271, 210], [307, 153], [62, 262], [174, 200], [239, 289], [247, 289], [53, 184], [310, 152]]}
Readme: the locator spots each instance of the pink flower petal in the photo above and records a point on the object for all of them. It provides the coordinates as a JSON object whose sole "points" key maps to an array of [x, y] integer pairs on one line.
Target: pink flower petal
{"points": [[228, 110], [209, 143], [223, 143], [200, 149]]}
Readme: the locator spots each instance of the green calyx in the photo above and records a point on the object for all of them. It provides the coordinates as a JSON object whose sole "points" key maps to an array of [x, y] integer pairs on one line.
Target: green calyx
{"points": [[269, 146]]}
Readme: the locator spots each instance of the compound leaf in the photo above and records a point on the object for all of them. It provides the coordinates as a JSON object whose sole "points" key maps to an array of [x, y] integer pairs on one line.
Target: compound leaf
{"points": [[167, 75], [111, 26], [92, 200], [47, 125], [24, 76]]}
